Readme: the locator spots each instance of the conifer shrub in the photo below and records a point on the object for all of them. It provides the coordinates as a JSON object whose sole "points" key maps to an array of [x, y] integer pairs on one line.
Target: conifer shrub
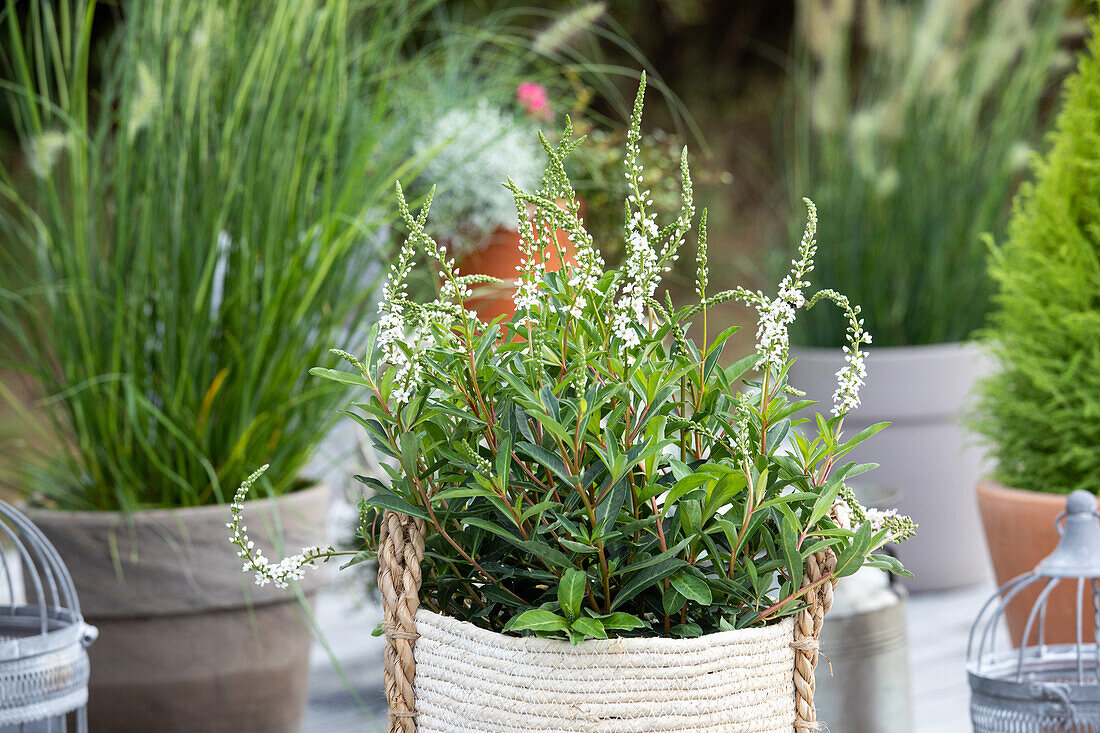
{"points": [[1040, 415]]}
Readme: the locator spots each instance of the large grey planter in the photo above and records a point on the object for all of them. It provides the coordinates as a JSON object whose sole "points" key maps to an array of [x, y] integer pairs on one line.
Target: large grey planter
{"points": [[187, 642], [926, 454]]}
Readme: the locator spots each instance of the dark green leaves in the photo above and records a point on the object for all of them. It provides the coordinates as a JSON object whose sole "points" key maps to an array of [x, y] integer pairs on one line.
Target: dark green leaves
{"points": [[582, 486], [692, 587], [647, 578]]}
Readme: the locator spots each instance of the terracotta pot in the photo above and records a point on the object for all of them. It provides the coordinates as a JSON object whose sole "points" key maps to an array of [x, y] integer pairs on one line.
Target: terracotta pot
{"points": [[187, 642], [926, 455], [1019, 528], [499, 257]]}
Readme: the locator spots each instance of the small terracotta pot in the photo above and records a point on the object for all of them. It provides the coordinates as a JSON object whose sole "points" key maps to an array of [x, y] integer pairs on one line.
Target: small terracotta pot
{"points": [[500, 256], [1019, 529]]}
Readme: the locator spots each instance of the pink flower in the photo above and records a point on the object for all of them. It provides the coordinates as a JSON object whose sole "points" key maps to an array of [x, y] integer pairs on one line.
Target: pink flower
{"points": [[532, 97]]}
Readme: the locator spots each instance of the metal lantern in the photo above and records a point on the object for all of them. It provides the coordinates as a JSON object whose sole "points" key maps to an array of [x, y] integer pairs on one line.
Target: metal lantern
{"points": [[43, 637], [1042, 687]]}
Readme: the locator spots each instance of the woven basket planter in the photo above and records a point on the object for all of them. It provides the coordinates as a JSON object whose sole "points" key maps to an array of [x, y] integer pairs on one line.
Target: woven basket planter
{"points": [[448, 676]]}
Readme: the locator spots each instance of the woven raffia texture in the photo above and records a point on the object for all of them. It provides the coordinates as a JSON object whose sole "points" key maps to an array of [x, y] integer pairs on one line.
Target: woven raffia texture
{"points": [[465, 679], [471, 680]]}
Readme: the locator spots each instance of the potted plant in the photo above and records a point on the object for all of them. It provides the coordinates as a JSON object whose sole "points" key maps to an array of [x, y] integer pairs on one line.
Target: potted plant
{"points": [[1037, 413], [589, 524], [194, 225], [474, 147], [911, 122]]}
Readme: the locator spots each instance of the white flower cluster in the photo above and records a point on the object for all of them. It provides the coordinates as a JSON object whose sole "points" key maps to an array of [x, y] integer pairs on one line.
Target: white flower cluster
{"points": [[282, 573], [482, 146], [776, 315], [642, 274], [405, 328], [851, 376], [556, 209], [532, 265], [589, 262], [393, 330], [850, 513], [644, 266], [772, 337]]}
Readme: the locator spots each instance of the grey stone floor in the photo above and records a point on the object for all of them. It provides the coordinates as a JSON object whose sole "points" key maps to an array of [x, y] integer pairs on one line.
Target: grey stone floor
{"points": [[938, 627], [346, 696]]}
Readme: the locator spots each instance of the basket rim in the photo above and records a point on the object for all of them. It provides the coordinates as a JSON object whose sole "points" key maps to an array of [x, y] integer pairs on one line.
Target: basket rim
{"points": [[781, 633]]}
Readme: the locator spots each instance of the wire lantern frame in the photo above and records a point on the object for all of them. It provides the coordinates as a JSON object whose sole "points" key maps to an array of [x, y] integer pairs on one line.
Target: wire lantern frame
{"points": [[1040, 686], [44, 664]]}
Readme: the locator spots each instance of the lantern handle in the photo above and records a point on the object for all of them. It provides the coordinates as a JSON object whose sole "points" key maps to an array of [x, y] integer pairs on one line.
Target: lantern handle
{"points": [[1060, 521]]}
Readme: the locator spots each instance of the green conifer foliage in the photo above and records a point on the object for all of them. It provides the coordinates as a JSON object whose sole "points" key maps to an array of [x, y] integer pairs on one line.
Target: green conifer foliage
{"points": [[1041, 413]]}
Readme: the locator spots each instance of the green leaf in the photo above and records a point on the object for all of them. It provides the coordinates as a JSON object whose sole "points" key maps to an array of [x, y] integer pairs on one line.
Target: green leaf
{"points": [[620, 621], [861, 436], [491, 528], [487, 341], [737, 369], [683, 486], [335, 375], [576, 546], [721, 339], [545, 458], [647, 578], [722, 493], [686, 631], [536, 619], [824, 502], [571, 592], [888, 563], [590, 627], [409, 443], [692, 587], [859, 469], [672, 601], [550, 402], [776, 433], [851, 558], [649, 561], [394, 503], [462, 492], [794, 496], [690, 514], [791, 555], [612, 503], [502, 462], [539, 508]]}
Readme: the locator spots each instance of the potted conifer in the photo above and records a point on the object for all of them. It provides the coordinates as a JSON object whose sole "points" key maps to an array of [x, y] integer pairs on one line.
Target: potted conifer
{"points": [[1039, 413], [589, 524]]}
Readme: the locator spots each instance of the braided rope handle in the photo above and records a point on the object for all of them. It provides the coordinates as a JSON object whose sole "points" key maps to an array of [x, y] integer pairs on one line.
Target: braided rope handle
{"points": [[807, 627], [401, 548]]}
